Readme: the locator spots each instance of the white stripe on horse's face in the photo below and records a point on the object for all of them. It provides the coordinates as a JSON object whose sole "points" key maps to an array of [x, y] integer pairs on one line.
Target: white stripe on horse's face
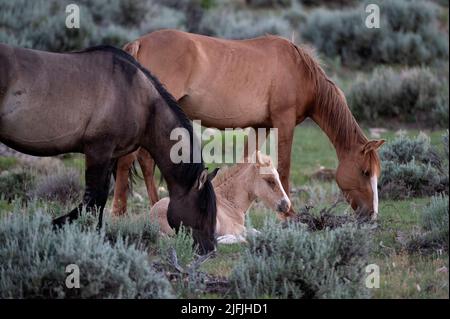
{"points": [[374, 184], [277, 176]]}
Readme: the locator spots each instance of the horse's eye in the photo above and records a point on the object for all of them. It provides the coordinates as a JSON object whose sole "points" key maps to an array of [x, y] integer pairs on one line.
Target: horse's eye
{"points": [[366, 173]]}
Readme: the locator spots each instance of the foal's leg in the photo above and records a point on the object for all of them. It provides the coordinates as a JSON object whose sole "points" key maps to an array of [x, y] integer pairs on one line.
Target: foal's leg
{"points": [[124, 164], [148, 170], [98, 173]]}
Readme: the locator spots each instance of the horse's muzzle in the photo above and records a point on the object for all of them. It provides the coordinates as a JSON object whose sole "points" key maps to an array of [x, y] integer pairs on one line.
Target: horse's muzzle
{"points": [[283, 206]]}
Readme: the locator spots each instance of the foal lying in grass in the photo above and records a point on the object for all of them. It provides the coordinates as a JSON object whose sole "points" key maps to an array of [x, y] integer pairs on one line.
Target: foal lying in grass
{"points": [[236, 188]]}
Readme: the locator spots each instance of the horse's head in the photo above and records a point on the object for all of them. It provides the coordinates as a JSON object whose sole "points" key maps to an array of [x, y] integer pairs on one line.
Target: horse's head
{"points": [[196, 209], [268, 185], [357, 176]]}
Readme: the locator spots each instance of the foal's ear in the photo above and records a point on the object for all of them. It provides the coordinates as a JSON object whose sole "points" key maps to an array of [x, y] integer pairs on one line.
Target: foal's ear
{"points": [[202, 179], [372, 146]]}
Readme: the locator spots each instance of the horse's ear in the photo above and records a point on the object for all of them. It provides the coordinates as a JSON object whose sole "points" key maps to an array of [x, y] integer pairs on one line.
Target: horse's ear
{"points": [[259, 161], [202, 179], [372, 146], [132, 48], [213, 173]]}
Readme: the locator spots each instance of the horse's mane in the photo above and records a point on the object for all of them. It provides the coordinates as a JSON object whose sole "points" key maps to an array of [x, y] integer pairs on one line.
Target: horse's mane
{"points": [[330, 103], [331, 106], [190, 170]]}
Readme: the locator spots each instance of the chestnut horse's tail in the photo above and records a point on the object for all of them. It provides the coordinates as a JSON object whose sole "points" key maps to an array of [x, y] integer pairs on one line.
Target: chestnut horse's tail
{"points": [[132, 48]]}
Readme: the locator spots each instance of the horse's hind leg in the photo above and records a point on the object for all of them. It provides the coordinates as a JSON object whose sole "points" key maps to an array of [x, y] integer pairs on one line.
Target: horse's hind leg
{"points": [[121, 186], [148, 169], [98, 173]]}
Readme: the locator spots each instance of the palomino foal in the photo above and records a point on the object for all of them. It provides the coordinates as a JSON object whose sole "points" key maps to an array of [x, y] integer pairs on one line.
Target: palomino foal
{"points": [[236, 188]]}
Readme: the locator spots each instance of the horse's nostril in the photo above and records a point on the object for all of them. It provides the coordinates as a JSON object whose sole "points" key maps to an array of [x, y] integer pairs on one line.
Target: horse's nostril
{"points": [[283, 206]]}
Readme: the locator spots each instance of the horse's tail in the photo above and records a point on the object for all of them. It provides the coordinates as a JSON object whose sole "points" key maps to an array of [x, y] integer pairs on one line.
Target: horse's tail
{"points": [[132, 48]]}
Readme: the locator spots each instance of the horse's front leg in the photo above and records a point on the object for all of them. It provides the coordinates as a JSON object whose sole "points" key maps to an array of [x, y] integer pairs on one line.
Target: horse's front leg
{"points": [[97, 175], [285, 138]]}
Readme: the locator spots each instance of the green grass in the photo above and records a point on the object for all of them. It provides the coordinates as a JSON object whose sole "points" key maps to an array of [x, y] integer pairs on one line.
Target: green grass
{"points": [[7, 163], [404, 276]]}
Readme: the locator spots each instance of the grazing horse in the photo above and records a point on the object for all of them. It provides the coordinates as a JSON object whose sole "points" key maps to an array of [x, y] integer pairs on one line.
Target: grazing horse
{"points": [[236, 188], [103, 103], [263, 82]]}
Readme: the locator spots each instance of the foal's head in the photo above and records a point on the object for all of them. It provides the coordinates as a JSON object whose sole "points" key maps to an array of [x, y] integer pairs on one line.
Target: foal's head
{"points": [[357, 176], [267, 185]]}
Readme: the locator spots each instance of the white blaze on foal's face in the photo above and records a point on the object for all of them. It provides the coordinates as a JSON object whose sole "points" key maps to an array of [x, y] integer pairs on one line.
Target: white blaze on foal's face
{"points": [[268, 186]]}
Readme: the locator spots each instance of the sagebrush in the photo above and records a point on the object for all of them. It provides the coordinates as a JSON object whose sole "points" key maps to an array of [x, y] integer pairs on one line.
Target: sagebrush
{"points": [[412, 167], [34, 257], [408, 34], [291, 262], [409, 96]]}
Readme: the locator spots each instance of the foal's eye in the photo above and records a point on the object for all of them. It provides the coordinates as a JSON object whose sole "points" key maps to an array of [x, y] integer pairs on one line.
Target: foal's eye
{"points": [[271, 183]]}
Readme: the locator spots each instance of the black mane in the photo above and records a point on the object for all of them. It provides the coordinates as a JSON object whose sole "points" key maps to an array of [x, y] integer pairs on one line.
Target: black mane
{"points": [[192, 170]]}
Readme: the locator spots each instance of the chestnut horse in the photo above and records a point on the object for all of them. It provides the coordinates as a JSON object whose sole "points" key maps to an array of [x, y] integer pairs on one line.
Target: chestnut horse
{"points": [[236, 188], [262, 82], [102, 103]]}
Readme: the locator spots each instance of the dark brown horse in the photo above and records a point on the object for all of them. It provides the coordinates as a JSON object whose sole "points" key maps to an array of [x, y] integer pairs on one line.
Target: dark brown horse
{"points": [[102, 103], [260, 83]]}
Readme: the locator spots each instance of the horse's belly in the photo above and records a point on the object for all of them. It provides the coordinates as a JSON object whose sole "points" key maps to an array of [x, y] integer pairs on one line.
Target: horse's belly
{"points": [[220, 111], [25, 125]]}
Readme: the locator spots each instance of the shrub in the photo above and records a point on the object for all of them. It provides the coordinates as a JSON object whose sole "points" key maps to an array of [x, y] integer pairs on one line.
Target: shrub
{"points": [[411, 167], [434, 233], [334, 3], [180, 263], [138, 230], [41, 24], [411, 95], [404, 149], [63, 186], [226, 23], [15, 184], [408, 34], [161, 17], [33, 260], [182, 244], [268, 3], [291, 262], [435, 220]]}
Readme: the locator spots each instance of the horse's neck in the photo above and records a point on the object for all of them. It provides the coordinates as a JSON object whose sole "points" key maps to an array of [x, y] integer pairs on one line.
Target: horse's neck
{"points": [[234, 195], [332, 114]]}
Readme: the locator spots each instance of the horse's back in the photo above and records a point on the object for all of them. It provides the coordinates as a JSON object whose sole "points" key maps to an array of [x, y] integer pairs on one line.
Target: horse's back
{"points": [[226, 83], [52, 99]]}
